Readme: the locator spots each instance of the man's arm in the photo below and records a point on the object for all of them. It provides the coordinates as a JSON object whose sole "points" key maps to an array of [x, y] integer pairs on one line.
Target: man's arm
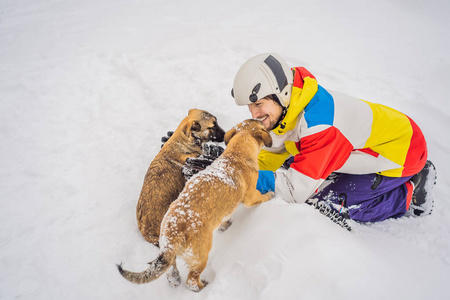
{"points": [[322, 150]]}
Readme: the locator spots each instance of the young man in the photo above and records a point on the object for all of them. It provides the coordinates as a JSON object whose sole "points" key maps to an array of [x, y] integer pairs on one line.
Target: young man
{"points": [[375, 158]]}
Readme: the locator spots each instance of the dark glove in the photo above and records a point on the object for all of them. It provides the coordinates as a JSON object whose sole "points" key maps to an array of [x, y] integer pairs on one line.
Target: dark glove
{"points": [[164, 139], [193, 165], [212, 151], [287, 163]]}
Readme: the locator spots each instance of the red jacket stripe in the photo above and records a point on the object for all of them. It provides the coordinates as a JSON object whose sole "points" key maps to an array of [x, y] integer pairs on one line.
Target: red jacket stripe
{"points": [[322, 153], [416, 157]]}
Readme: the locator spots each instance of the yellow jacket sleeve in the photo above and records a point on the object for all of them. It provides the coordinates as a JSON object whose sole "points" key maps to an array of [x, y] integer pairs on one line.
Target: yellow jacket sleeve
{"points": [[271, 161]]}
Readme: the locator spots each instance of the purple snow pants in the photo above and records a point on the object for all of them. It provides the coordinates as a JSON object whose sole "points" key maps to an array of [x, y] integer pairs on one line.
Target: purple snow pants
{"points": [[369, 197]]}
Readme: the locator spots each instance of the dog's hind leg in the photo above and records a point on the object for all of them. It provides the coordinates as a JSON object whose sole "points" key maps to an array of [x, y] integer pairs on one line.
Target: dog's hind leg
{"points": [[225, 225], [173, 275], [197, 263], [193, 282]]}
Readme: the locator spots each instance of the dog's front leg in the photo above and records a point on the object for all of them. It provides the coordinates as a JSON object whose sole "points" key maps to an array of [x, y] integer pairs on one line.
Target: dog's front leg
{"points": [[257, 197]]}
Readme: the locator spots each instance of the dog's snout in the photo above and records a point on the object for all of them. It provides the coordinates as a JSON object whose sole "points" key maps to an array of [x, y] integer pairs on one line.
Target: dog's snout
{"points": [[218, 135]]}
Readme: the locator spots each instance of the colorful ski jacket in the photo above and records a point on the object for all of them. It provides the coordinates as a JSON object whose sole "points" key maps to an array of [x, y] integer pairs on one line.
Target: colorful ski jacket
{"points": [[331, 132]]}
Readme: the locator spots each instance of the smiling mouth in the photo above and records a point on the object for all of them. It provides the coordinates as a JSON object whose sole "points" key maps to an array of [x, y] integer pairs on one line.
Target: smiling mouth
{"points": [[262, 118]]}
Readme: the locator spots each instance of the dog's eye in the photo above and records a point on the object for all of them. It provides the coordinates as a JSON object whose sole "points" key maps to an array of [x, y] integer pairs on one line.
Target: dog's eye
{"points": [[212, 127]]}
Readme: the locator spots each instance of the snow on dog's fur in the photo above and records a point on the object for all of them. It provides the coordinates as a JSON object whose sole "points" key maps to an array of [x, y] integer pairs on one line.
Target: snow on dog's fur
{"points": [[208, 199], [164, 180]]}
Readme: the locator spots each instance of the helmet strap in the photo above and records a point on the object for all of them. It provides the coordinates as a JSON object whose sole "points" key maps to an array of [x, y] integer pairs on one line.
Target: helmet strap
{"points": [[283, 113]]}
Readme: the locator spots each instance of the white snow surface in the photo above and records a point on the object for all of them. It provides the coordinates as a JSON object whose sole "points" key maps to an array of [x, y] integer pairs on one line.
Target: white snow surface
{"points": [[87, 89]]}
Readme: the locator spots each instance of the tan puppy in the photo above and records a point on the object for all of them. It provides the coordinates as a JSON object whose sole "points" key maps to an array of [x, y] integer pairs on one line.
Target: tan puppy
{"points": [[209, 198], [164, 179]]}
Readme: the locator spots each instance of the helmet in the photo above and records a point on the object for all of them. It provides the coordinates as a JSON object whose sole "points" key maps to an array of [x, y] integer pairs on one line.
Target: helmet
{"points": [[260, 76]]}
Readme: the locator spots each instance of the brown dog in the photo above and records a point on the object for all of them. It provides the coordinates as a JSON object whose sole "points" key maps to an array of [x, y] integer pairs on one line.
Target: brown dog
{"points": [[209, 198], [164, 179]]}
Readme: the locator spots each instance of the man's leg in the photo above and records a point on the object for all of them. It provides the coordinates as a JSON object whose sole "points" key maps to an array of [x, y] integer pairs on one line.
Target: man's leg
{"points": [[370, 197]]}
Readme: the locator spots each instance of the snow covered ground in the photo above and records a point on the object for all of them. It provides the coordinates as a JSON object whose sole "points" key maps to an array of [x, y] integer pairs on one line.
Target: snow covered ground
{"points": [[87, 88]]}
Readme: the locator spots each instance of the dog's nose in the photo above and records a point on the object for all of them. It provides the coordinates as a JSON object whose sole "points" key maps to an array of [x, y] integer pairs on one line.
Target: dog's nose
{"points": [[219, 134]]}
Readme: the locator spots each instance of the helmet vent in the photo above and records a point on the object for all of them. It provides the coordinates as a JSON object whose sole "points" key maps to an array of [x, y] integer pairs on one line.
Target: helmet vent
{"points": [[253, 97], [277, 70]]}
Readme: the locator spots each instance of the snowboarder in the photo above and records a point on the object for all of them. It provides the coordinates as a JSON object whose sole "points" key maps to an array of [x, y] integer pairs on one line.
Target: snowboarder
{"points": [[364, 160]]}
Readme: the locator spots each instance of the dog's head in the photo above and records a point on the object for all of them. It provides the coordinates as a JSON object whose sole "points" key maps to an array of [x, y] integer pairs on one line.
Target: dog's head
{"points": [[202, 127], [255, 128]]}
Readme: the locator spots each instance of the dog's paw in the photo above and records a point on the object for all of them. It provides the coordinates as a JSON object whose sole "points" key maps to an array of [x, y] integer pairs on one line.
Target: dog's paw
{"points": [[196, 286], [173, 276], [205, 283], [225, 225], [270, 194]]}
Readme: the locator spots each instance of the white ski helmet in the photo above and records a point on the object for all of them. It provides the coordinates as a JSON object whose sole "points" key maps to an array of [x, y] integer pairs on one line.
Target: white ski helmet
{"points": [[260, 76]]}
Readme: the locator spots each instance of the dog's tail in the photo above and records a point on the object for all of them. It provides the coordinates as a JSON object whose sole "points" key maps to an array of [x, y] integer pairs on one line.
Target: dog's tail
{"points": [[157, 267]]}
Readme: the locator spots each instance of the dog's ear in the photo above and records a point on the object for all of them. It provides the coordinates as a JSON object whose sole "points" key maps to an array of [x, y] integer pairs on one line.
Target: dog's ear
{"points": [[193, 126], [196, 126], [265, 137], [230, 133]]}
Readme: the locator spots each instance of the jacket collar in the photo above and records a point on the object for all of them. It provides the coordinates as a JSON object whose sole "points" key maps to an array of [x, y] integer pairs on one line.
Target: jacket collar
{"points": [[303, 90]]}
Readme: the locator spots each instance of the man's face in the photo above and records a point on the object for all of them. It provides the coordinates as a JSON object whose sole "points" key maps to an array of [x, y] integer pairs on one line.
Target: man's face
{"points": [[267, 111]]}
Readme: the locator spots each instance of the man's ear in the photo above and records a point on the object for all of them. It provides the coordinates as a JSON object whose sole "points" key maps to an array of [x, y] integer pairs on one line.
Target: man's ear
{"points": [[265, 137], [230, 133]]}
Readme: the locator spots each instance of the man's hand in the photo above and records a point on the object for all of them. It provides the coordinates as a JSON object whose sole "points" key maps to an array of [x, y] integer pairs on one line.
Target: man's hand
{"points": [[164, 139], [193, 165], [212, 151], [287, 163], [266, 182]]}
